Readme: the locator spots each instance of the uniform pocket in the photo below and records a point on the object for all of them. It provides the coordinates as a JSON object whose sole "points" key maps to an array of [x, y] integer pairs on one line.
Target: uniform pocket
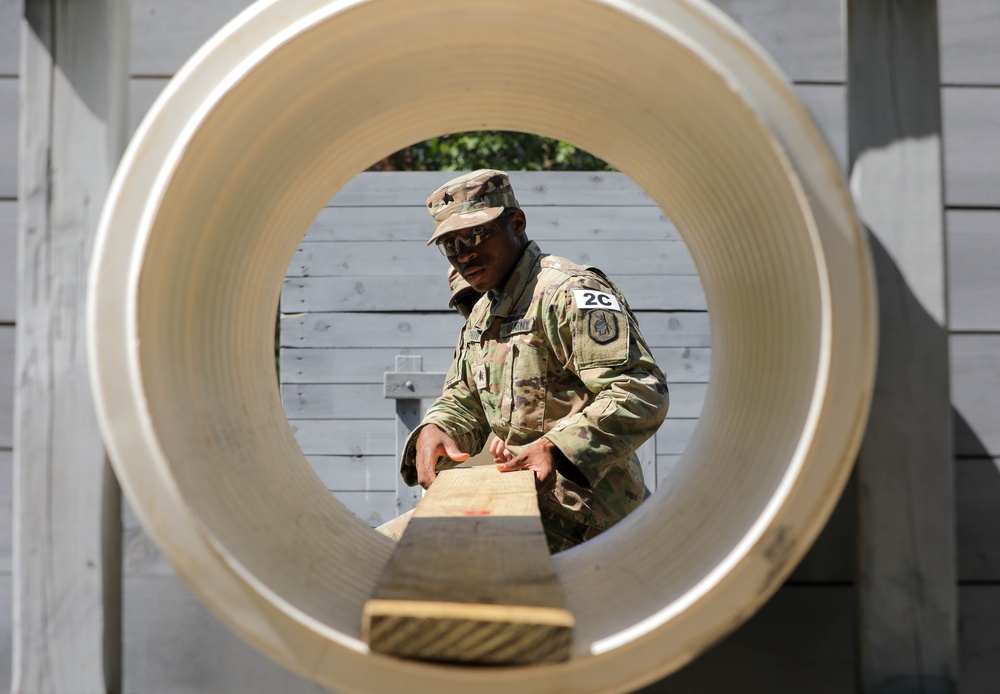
{"points": [[528, 386]]}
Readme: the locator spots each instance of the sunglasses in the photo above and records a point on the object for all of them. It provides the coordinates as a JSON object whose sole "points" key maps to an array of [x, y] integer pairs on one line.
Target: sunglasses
{"points": [[454, 245]]}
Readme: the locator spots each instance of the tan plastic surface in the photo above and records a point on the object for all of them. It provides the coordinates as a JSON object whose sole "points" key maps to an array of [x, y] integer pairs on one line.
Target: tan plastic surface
{"points": [[289, 102]]}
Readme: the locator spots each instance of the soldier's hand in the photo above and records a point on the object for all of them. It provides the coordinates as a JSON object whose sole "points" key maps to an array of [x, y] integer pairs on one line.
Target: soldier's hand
{"points": [[539, 457], [499, 450], [432, 443]]}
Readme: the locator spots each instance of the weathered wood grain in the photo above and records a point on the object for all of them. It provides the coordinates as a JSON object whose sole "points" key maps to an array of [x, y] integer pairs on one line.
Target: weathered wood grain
{"points": [[6, 387], [414, 259], [974, 270], [345, 401], [430, 292], [8, 137], [360, 365], [8, 260], [351, 437], [972, 137], [175, 645], [166, 32], [356, 473], [642, 221], [975, 375], [908, 616], [67, 615], [10, 40], [970, 52], [472, 580], [437, 330]]}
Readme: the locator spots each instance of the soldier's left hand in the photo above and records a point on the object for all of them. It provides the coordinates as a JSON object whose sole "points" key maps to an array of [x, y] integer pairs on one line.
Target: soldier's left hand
{"points": [[539, 457]]}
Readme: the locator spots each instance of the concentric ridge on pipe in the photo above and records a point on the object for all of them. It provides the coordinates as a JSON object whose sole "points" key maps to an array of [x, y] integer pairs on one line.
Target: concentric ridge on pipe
{"points": [[279, 111]]}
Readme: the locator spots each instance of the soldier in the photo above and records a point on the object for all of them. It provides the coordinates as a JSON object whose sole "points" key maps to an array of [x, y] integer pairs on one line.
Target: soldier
{"points": [[463, 296], [551, 360]]}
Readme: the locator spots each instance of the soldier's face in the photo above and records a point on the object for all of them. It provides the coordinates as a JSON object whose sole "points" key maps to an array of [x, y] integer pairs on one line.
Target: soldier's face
{"points": [[488, 265]]}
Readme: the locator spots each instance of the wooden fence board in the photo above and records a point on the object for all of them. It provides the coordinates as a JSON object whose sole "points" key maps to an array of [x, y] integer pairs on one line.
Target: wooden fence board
{"points": [[347, 401], [407, 259], [828, 105], [344, 473], [174, 645], [6, 499], [974, 270], [6, 387], [8, 260], [970, 52], [975, 383], [166, 32], [421, 330], [8, 137], [10, 39], [374, 508], [411, 188], [367, 365], [674, 434], [430, 293], [978, 493], [972, 141], [365, 437], [643, 221]]}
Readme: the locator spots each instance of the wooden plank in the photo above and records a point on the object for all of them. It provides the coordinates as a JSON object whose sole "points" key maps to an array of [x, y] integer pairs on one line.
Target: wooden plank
{"points": [[673, 435], [975, 374], [643, 221], [10, 40], [407, 411], [7, 387], [802, 36], [411, 188], [346, 401], [430, 293], [972, 137], [6, 501], [472, 580], [361, 365], [175, 646], [345, 437], [374, 508], [356, 473], [908, 617], [8, 137], [970, 52], [413, 386], [414, 259], [66, 612], [419, 330], [8, 260], [973, 278], [166, 32]]}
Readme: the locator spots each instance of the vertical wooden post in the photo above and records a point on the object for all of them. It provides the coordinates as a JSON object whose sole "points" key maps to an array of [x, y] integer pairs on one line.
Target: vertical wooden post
{"points": [[67, 556], [906, 503], [407, 419]]}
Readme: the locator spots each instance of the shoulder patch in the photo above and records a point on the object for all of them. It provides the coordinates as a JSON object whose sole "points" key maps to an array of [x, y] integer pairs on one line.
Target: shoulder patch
{"points": [[600, 338]]}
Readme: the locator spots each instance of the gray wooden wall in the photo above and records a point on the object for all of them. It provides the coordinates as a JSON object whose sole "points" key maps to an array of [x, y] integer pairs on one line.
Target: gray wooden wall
{"points": [[803, 640]]}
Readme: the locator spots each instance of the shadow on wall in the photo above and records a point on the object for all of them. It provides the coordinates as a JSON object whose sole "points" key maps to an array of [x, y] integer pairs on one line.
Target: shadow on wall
{"points": [[804, 638]]}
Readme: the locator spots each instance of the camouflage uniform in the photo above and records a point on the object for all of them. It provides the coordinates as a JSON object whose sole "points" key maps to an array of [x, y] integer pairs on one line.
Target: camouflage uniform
{"points": [[556, 354]]}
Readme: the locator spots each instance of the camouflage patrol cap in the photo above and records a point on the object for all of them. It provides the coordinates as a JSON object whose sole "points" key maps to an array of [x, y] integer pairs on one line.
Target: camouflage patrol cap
{"points": [[459, 286], [469, 200]]}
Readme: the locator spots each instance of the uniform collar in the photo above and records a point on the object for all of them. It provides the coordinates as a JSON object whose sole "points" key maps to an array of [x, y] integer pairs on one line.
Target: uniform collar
{"points": [[503, 301]]}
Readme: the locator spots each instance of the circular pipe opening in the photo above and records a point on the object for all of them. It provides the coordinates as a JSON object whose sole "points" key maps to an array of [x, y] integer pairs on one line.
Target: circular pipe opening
{"points": [[278, 112]]}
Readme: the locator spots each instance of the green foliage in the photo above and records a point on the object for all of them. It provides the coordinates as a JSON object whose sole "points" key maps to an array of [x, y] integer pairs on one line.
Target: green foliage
{"points": [[497, 149]]}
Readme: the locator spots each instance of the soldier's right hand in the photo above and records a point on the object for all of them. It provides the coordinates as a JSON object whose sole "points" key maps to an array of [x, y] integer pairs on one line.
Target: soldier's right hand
{"points": [[432, 444]]}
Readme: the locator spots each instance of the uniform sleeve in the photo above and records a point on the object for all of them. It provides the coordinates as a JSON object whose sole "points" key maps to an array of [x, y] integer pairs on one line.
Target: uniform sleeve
{"points": [[458, 413], [602, 345]]}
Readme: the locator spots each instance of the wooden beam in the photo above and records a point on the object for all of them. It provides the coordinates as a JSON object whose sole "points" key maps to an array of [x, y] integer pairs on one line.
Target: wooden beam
{"points": [[67, 561], [472, 580], [905, 479]]}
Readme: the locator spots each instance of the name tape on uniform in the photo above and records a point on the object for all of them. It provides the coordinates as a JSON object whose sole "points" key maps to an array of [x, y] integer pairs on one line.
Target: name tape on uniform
{"points": [[591, 298]]}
